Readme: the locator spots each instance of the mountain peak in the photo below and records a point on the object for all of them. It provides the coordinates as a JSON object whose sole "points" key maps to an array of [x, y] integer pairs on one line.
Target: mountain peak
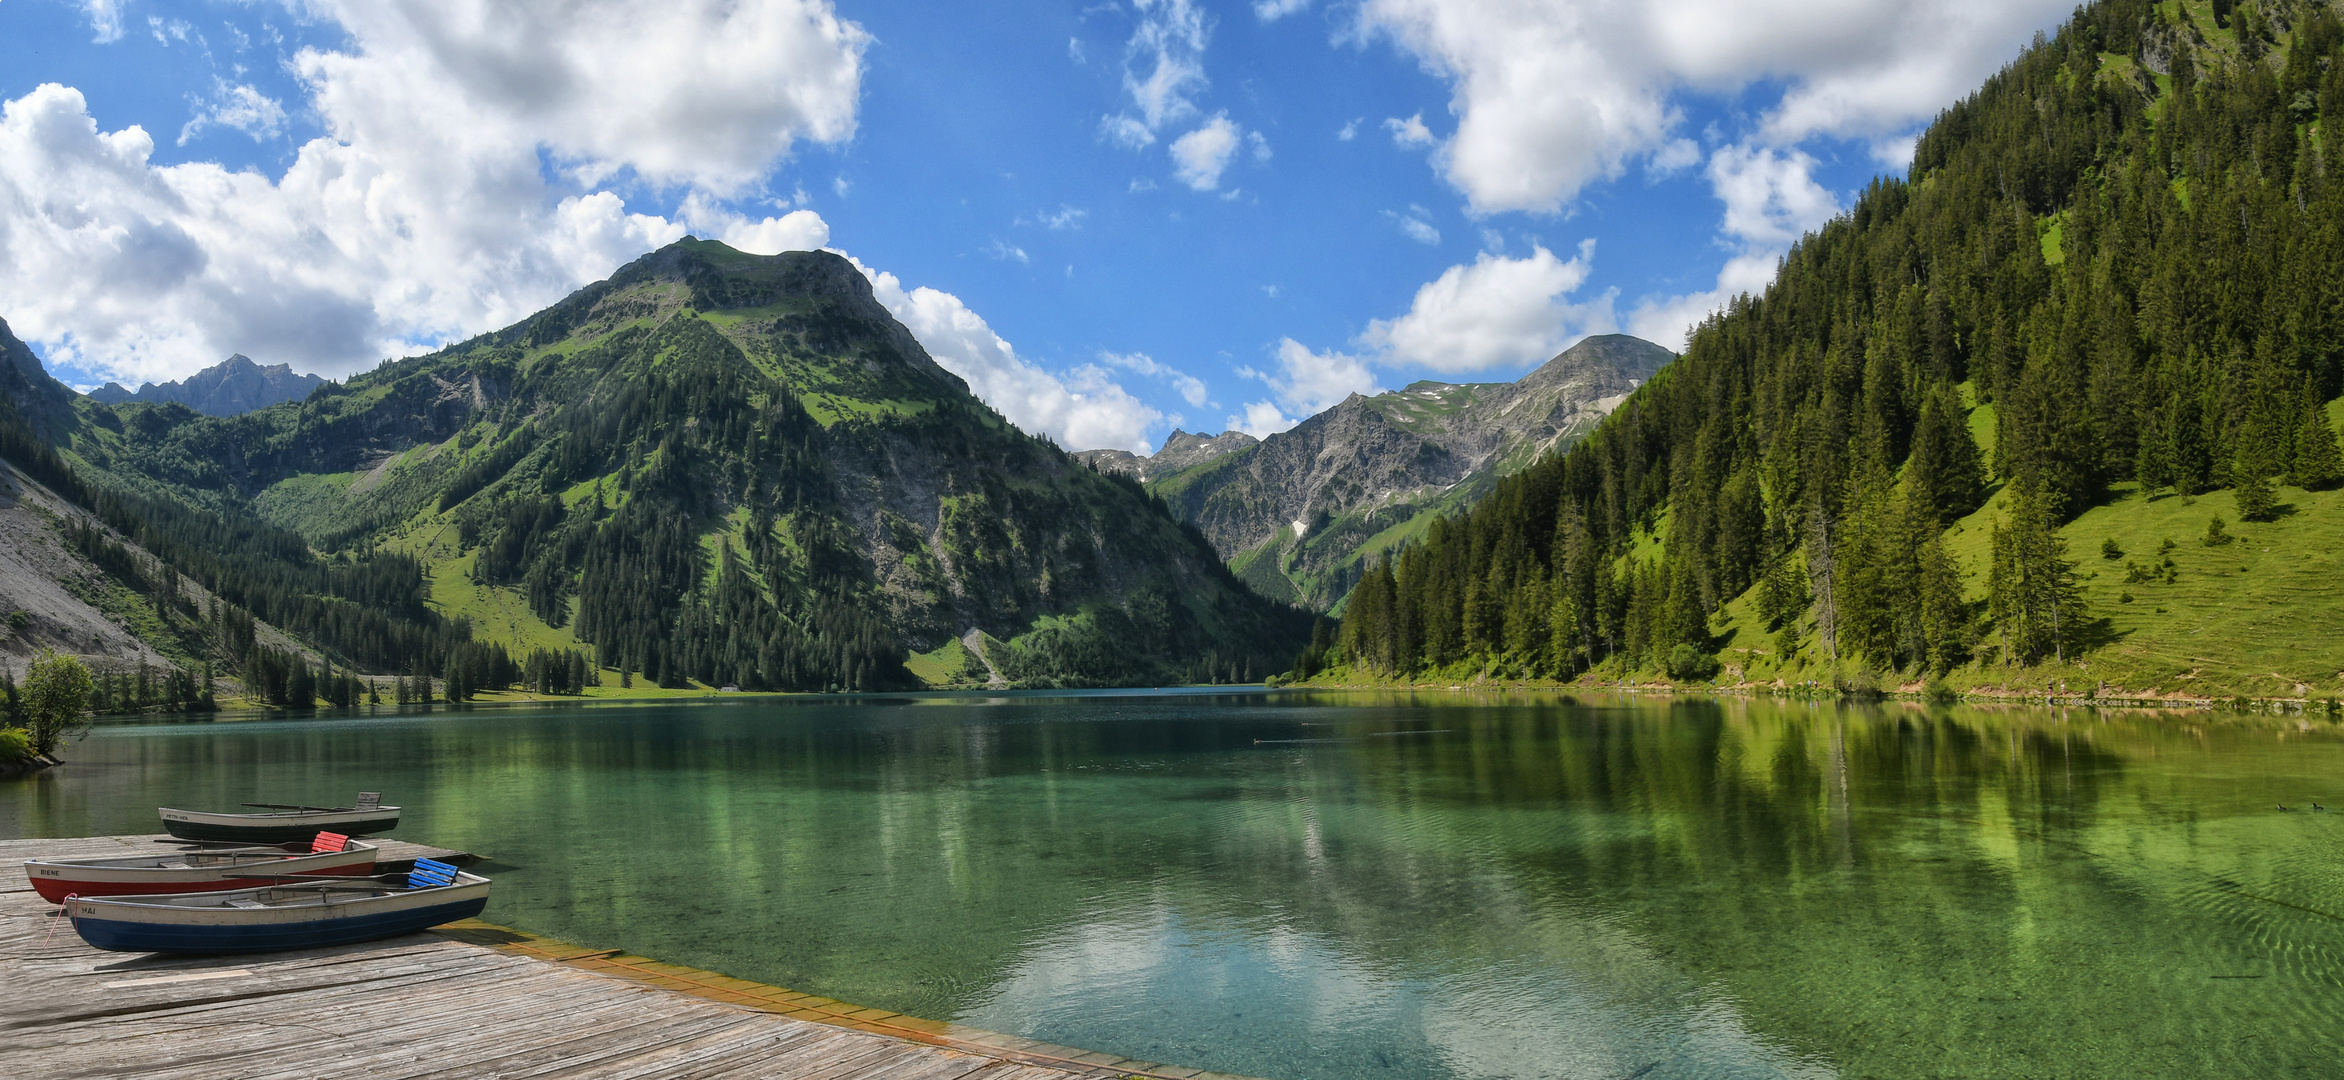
{"points": [[231, 387]]}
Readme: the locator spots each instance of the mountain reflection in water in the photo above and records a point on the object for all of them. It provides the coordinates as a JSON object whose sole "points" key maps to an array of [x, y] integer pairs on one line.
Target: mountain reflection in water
{"points": [[1308, 886]]}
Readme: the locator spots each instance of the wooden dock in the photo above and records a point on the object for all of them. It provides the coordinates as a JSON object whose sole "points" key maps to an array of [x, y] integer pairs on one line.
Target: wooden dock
{"points": [[466, 1000]]}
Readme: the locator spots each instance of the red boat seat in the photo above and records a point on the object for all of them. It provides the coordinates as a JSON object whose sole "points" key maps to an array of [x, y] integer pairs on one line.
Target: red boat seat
{"points": [[329, 841]]}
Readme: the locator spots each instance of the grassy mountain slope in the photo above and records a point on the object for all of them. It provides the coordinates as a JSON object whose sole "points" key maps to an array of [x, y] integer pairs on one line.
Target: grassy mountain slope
{"points": [[2104, 308], [720, 468]]}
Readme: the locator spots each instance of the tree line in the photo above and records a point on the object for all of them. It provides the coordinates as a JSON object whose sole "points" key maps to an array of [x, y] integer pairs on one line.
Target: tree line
{"points": [[2093, 275]]}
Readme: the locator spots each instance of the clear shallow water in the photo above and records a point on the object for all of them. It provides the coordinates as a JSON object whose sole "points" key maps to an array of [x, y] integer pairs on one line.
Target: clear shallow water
{"points": [[1324, 886]]}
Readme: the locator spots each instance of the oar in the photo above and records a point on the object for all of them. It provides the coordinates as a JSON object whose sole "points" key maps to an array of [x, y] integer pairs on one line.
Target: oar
{"points": [[297, 879]]}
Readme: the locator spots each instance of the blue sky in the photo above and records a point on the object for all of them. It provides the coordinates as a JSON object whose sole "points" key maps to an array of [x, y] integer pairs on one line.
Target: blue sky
{"points": [[1112, 218]]}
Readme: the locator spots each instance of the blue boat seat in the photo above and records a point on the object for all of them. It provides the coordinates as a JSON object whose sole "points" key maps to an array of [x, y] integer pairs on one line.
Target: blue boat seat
{"points": [[429, 873]]}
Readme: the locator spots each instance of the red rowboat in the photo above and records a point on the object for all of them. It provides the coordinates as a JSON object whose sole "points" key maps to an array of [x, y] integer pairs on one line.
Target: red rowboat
{"points": [[208, 870]]}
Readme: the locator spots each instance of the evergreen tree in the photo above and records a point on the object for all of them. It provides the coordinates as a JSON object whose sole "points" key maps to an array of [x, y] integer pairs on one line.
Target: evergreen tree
{"points": [[2256, 499], [2316, 465], [2032, 592]]}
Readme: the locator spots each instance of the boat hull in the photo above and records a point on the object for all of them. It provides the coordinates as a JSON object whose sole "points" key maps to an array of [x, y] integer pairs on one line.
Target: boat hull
{"points": [[55, 880], [275, 828], [120, 926]]}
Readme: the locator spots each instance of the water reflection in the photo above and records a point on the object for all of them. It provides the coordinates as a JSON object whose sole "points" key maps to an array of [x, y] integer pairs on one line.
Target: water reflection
{"points": [[1392, 885]]}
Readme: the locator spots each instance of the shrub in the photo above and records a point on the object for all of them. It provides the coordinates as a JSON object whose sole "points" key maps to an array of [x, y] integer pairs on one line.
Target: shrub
{"points": [[1688, 663], [56, 699], [16, 744]]}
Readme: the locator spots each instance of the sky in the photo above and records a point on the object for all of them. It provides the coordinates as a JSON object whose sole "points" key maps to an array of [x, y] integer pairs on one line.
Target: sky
{"points": [[1113, 218]]}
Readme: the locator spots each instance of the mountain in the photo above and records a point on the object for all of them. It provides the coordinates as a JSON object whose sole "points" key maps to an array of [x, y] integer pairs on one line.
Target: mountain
{"points": [[2053, 415], [1298, 514], [712, 469], [1181, 449], [232, 386]]}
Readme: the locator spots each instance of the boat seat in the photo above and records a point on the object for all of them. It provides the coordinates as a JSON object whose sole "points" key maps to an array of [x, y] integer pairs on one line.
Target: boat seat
{"points": [[370, 800], [329, 841], [429, 873]]}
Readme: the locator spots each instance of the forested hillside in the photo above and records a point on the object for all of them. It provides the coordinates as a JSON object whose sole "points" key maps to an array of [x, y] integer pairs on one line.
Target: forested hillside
{"points": [[2108, 293], [712, 469]]}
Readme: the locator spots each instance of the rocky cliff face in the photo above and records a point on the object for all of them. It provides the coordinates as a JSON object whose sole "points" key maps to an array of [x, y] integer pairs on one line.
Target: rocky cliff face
{"points": [[1298, 513], [233, 386]]}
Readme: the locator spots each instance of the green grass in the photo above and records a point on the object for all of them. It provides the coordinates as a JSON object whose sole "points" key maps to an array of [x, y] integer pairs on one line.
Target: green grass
{"points": [[944, 666], [2260, 617]]}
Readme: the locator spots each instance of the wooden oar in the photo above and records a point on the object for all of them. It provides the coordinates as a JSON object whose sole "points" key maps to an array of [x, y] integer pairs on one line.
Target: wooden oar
{"points": [[296, 879]]}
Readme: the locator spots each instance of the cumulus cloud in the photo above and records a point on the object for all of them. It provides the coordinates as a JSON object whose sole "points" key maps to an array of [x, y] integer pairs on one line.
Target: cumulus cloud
{"points": [[1190, 388], [1199, 157], [241, 107], [1305, 383], [1770, 196], [1674, 157], [1082, 409], [1771, 199], [1409, 132], [701, 92], [425, 211], [1550, 96], [1497, 312]]}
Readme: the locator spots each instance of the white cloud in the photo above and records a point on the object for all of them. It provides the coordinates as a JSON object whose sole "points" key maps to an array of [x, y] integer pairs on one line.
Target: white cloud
{"points": [[240, 107], [1199, 157], [1771, 199], [1414, 226], [1006, 252], [1062, 219], [840, 185], [701, 92], [1126, 131], [424, 212], [1260, 420], [1895, 152], [798, 230], [1551, 96], [1082, 409], [1074, 51], [1770, 196], [1673, 157], [1191, 389], [1410, 132], [1163, 64], [1310, 382], [1668, 321], [105, 18], [1349, 130], [1497, 312], [1273, 10], [1260, 145]]}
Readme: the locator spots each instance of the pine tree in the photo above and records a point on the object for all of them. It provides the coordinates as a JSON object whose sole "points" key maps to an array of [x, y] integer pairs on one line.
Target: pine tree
{"points": [[2256, 500], [2316, 465]]}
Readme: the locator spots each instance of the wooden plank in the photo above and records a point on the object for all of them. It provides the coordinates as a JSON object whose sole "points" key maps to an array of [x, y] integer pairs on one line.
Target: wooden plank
{"points": [[477, 1001]]}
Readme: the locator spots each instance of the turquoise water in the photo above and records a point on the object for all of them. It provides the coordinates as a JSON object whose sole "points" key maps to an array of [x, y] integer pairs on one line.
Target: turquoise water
{"points": [[1320, 886]]}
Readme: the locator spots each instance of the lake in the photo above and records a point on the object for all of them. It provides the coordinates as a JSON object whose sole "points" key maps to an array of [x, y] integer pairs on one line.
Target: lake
{"points": [[1310, 886]]}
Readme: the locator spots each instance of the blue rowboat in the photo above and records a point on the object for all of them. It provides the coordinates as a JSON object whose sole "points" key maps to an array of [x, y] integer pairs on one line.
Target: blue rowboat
{"points": [[327, 911]]}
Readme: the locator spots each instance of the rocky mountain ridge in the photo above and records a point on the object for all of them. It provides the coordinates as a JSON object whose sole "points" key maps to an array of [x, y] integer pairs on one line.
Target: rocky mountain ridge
{"points": [[231, 387], [1297, 514]]}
